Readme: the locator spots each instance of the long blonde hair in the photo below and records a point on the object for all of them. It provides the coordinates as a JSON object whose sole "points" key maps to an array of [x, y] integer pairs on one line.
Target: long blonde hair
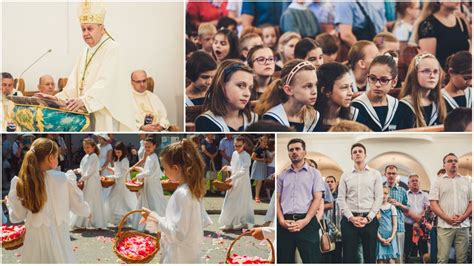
{"points": [[284, 39], [275, 95], [186, 155], [31, 186], [411, 87]]}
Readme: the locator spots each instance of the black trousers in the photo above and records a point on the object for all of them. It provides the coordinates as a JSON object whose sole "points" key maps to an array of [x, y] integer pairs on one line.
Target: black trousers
{"points": [[306, 241], [334, 256], [352, 236], [410, 249]]}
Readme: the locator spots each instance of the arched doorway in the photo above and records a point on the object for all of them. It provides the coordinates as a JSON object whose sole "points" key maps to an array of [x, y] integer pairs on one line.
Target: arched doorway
{"points": [[406, 165], [326, 165], [465, 164]]}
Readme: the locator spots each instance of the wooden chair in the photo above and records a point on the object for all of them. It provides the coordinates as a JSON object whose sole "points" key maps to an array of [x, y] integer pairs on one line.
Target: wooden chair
{"points": [[21, 85], [192, 112], [190, 127], [150, 84], [62, 83]]}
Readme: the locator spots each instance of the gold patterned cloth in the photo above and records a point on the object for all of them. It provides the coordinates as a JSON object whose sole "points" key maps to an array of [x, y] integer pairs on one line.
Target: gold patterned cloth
{"points": [[92, 12]]}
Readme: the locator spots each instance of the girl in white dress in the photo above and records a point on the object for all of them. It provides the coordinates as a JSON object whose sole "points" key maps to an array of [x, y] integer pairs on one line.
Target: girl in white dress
{"points": [[105, 158], [151, 195], [121, 200], [182, 226], [43, 198], [89, 169], [237, 210]]}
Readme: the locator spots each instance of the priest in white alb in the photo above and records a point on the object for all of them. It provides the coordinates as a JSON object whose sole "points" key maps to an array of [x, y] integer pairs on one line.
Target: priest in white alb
{"points": [[150, 111], [94, 83]]}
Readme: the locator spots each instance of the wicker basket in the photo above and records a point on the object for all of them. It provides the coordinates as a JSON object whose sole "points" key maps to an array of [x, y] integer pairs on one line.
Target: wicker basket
{"points": [[14, 243], [169, 185], [80, 185], [121, 235], [107, 182], [221, 186], [134, 188], [272, 249]]}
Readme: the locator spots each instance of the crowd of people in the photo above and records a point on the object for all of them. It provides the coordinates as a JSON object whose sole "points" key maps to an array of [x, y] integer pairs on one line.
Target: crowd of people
{"points": [[42, 195], [310, 65], [370, 220]]}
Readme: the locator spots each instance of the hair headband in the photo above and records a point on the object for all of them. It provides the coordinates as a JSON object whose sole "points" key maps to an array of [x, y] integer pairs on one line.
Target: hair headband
{"points": [[295, 69], [231, 69], [420, 57]]}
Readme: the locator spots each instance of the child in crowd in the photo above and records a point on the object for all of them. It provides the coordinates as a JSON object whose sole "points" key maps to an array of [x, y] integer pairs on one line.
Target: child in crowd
{"points": [[408, 12], [151, 195], [259, 167], [377, 109], [270, 36], [307, 49], [387, 248], [247, 42], [182, 224], [458, 90], [329, 46], [227, 104], [121, 200], [262, 61], [237, 211], [289, 100], [44, 198], [225, 45], [89, 170], [286, 48], [200, 70], [421, 101], [335, 94], [206, 32], [386, 41]]}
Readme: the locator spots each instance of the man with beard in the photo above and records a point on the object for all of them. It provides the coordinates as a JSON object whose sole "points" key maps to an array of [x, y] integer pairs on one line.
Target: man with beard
{"points": [[359, 197], [299, 193]]}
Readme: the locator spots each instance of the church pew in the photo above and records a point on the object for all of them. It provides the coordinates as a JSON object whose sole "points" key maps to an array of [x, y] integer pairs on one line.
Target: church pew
{"points": [[437, 128]]}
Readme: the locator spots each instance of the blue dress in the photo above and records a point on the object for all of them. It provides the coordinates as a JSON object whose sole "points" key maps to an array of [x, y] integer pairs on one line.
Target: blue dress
{"points": [[259, 168], [385, 230]]}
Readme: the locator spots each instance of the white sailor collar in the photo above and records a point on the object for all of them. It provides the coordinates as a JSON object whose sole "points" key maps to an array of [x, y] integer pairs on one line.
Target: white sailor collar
{"points": [[278, 113], [220, 122], [392, 105]]}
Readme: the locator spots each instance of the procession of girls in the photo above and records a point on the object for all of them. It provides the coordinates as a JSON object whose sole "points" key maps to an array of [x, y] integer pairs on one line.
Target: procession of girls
{"points": [[51, 203]]}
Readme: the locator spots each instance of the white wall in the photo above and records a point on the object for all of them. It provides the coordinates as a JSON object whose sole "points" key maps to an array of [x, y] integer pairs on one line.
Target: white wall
{"points": [[151, 36]]}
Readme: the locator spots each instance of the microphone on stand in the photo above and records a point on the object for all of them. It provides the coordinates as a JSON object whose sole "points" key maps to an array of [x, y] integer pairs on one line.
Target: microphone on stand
{"points": [[39, 58]]}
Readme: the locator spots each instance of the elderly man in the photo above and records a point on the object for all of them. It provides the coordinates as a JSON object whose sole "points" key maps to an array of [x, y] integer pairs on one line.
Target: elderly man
{"points": [[151, 113], [299, 194], [94, 81], [46, 85], [418, 201], [451, 200], [360, 195]]}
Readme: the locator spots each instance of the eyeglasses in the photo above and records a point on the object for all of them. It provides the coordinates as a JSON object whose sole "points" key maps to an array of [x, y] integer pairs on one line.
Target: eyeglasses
{"points": [[383, 80], [263, 60], [237, 146], [452, 161], [427, 72], [140, 81]]}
